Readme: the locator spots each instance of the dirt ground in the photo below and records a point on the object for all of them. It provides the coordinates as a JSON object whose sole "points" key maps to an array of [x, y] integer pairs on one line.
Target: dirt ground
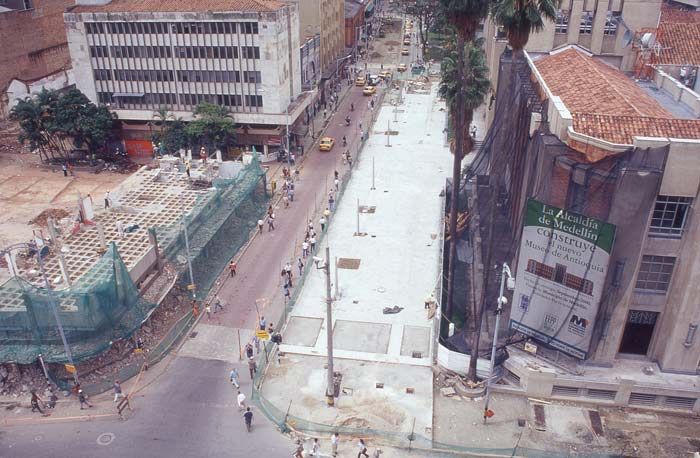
{"points": [[27, 188], [628, 433]]}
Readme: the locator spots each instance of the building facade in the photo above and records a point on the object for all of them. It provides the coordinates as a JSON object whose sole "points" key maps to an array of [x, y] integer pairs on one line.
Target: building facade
{"points": [[327, 18], [138, 56], [354, 21], [34, 45], [604, 28], [311, 62], [586, 138]]}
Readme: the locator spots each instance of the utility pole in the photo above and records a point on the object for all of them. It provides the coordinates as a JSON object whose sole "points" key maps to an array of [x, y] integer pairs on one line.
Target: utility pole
{"points": [[192, 286], [330, 398], [499, 310], [54, 309], [289, 153]]}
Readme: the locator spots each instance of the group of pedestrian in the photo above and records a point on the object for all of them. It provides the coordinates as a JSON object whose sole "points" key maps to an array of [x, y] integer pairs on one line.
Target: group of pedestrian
{"points": [[288, 191], [316, 448]]}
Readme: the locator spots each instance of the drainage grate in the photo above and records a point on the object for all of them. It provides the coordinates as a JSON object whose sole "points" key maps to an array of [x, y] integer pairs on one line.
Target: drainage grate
{"points": [[607, 395], [540, 422], [512, 377], [643, 399], [678, 402], [348, 263], [558, 390]]}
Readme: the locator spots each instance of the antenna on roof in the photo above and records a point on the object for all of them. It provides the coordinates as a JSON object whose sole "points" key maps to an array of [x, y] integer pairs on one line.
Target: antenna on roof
{"points": [[628, 35], [648, 40]]}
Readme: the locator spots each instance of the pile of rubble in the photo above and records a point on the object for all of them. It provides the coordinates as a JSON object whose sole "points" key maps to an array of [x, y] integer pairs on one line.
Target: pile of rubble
{"points": [[55, 213], [19, 380], [452, 384]]}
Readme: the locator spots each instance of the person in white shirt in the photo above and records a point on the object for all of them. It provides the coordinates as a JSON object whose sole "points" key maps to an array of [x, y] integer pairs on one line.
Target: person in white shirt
{"points": [[241, 400]]}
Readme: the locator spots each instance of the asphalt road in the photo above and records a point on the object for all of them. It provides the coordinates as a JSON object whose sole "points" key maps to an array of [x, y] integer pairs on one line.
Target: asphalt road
{"points": [[190, 412]]}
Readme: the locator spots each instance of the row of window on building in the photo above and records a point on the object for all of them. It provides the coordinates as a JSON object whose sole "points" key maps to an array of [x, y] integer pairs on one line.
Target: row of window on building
{"points": [[140, 28], [586, 23], [197, 76], [155, 100], [188, 52]]}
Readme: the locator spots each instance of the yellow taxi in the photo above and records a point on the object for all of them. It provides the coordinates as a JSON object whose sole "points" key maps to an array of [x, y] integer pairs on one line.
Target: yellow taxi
{"points": [[326, 144], [405, 51], [402, 67], [369, 90], [386, 74], [360, 81]]}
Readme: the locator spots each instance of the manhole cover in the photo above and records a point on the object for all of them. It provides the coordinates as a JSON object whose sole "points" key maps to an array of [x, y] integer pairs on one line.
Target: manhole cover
{"points": [[348, 263], [105, 439]]}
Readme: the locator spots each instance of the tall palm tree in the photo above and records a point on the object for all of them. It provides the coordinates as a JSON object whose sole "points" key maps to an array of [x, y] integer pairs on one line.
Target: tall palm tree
{"points": [[518, 18], [464, 16]]}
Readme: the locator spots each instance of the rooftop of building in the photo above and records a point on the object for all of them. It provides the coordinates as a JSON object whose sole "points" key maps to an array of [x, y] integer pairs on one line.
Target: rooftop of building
{"points": [[352, 8], [172, 6], [679, 36], [605, 103]]}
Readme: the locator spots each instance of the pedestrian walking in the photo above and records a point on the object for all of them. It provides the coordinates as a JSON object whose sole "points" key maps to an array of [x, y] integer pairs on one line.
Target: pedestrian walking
{"points": [[285, 199], [262, 323], [233, 378], [208, 310], [271, 223], [217, 304], [291, 194], [326, 213], [52, 400], [299, 452], [292, 158], [241, 400], [334, 444], [287, 293], [187, 168], [248, 418], [337, 183], [322, 222], [270, 328], [315, 447], [362, 449], [64, 167], [300, 265], [118, 390], [107, 200], [35, 403], [312, 242], [248, 350], [304, 249], [232, 267], [70, 169], [331, 201], [83, 399], [260, 226], [252, 367], [335, 174]]}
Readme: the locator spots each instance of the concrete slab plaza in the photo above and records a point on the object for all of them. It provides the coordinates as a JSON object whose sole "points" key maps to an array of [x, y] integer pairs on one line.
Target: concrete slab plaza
{"points": [[395, 264]]}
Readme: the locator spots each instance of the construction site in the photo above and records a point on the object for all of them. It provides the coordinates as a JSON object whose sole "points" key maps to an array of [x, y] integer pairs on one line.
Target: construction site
{"points": [[111, 257]]}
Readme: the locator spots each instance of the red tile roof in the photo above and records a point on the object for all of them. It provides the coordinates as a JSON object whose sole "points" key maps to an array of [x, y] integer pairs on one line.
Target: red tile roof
{"points": [[680, 44], [606, 104], [143, 6], [587, 85], [675, 15], [623, 129]]}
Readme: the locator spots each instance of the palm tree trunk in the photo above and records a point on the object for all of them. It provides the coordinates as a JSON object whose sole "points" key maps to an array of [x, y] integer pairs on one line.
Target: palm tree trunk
{"points": [[456, 176]]}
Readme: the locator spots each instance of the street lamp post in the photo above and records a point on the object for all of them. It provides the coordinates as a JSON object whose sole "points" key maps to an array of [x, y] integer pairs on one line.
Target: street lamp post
{"points": [[330, 391], [499, 310]]}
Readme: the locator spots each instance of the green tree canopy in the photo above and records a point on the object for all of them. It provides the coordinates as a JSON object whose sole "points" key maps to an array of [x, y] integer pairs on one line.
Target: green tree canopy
{"points": [[519, 18], [212, 126], [55, 123]]}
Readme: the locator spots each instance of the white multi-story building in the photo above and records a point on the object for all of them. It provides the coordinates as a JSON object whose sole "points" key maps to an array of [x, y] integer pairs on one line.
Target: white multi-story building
{"points": [[141, 55]]}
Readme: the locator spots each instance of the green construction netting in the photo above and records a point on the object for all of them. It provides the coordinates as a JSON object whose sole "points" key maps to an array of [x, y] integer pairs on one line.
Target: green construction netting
{"points": [[104, 305], [101, 307], [217, 227]]}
